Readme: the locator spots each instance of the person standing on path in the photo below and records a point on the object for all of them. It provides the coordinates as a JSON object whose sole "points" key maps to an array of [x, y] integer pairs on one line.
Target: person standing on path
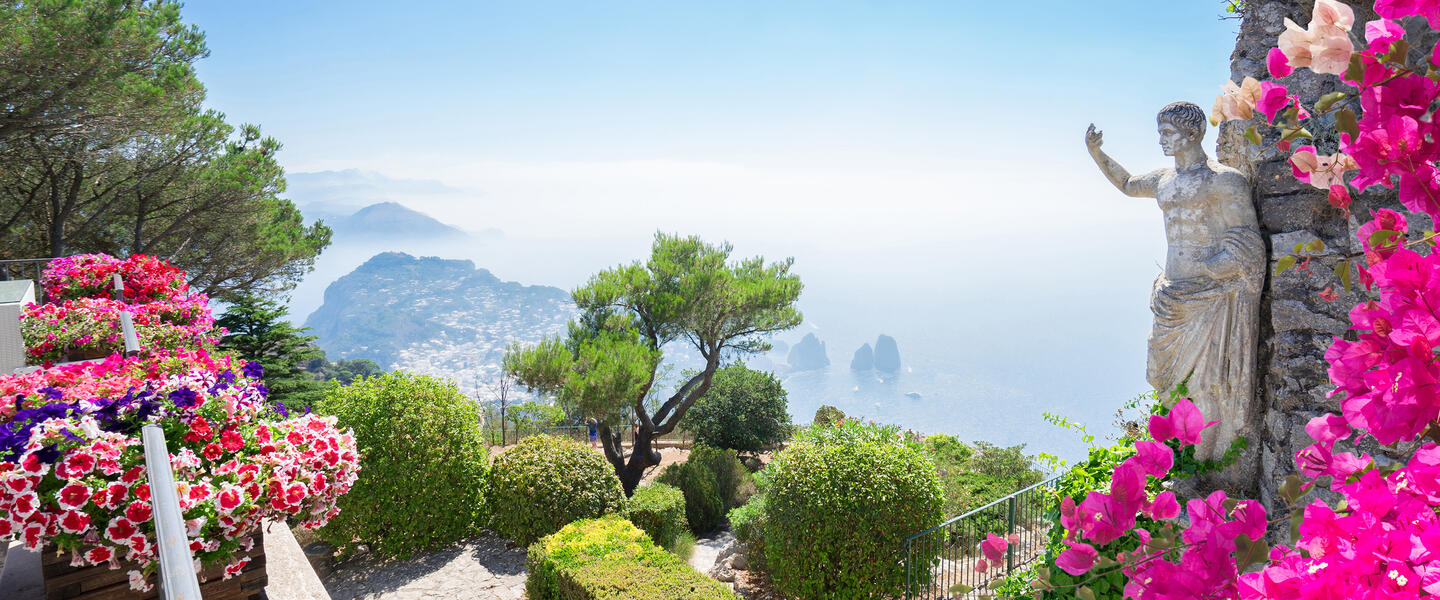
{"points": [[594, 433]]}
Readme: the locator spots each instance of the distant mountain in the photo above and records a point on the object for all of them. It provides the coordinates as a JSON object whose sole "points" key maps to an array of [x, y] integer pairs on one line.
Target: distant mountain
{"points": [[392, 220], [435, 316]]}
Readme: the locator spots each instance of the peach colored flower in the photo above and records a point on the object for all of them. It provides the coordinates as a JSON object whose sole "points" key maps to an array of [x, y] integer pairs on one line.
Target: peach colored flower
{"points": [[1237, 101], [1321, 171], [1325, 45]]}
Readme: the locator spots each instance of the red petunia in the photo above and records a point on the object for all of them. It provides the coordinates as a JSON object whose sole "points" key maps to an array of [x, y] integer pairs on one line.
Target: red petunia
{"points": [[119, 530], [99, 554], [138, 512], [74, 495], [232, 440], [75, 521], [199, 431]]}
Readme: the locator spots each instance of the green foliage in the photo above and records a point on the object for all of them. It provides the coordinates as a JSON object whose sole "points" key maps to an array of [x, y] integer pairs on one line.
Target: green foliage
{"points": [[544, 482], [659, 510], [104, 92], [841, 502], [748, 523], [744, 410], [259, 331], [711, 479], [531, 417], [828, 415], [687, 291], [610, 559], [344, 371], [422, 463]]}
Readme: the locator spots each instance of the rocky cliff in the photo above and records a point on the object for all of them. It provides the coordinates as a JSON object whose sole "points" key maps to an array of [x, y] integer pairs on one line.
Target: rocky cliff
{"points": [[808, 354], [435, 316]]}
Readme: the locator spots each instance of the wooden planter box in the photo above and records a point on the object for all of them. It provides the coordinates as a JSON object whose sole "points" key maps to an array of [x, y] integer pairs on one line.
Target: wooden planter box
{"points": [[99, 582]]}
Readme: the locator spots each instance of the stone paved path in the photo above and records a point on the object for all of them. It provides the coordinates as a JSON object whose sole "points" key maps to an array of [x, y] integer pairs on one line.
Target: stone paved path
{"points": [[480, 568]]}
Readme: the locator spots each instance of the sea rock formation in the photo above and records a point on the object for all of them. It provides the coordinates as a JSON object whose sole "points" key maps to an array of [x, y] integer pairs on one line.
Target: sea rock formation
{"points": [[808, 354], [887, 354], [864, 359]]}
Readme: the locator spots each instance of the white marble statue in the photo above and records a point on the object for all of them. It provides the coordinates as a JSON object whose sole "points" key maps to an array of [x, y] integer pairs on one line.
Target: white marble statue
{"points": [[1206, 303]]}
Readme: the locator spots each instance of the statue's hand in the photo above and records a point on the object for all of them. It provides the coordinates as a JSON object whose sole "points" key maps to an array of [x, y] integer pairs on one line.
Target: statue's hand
{"points": [[1094, 138]]}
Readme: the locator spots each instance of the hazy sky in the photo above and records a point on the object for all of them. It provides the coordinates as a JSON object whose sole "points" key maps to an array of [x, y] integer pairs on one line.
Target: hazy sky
{"points": [[917, 159]]}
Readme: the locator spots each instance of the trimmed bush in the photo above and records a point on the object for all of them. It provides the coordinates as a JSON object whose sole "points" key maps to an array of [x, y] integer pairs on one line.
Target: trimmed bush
{"points": [[744, 410], [422, 464], [544, 482], [841, 502], [658, 510], [711, 480], [610, 559]]}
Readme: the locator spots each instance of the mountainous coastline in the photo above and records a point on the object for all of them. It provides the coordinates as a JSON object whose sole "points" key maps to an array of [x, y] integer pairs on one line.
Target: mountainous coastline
{"points": [[430, 315]]}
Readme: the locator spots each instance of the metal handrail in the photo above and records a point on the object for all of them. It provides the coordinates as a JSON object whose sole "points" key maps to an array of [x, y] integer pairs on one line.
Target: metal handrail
{"points": [[177, 565], [983, 508], [933, 557]]}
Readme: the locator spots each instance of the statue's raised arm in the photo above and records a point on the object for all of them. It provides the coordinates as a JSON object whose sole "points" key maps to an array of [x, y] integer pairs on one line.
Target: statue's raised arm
{"points": [[1138, 187]]}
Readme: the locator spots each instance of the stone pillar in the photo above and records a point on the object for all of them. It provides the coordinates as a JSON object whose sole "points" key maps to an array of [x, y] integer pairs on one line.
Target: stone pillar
{"points": [[1297, 326]]}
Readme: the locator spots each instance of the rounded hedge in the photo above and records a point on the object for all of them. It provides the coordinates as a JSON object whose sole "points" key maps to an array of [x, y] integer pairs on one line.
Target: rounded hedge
{"points": [[544, 483], [840, 504], [659, 510], [422, 464]]}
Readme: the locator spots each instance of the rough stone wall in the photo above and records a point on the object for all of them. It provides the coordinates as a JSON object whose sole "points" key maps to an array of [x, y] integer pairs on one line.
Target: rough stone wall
{"points": [[1297, 326]]}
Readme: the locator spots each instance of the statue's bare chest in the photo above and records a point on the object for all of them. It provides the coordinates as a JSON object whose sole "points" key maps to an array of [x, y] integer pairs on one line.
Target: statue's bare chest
{"points": [[1185, 202]]}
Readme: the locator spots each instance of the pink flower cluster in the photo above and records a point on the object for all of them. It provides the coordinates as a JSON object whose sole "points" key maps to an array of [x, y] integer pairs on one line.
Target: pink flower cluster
{"points": [[1204, 568], [146, 278], [52, 331]]}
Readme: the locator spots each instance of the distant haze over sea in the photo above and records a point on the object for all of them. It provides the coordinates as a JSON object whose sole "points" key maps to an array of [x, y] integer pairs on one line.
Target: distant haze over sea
{"points": [[1000, 314]]}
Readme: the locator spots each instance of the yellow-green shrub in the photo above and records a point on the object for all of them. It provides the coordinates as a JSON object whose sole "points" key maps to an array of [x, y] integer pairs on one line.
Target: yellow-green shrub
{"points": [[658, 510], [545, 482], [610, 559]]}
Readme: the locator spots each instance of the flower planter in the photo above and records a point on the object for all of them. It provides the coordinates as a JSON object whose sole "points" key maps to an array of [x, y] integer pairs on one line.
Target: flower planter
{"points": [[99, 582]]}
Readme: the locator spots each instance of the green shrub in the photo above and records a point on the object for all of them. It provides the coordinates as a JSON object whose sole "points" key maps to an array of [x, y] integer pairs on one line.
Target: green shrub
{"points": [[422, 464], [658, 510], [744, 410], [545, 482], [610, 559], [948, 450], [748, 523], [841, 502], [827, 415], [711, 480], [704, 506]]}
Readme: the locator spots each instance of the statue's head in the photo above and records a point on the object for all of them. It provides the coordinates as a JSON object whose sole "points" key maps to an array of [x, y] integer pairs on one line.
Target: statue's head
{"points": [[1181, 124]]}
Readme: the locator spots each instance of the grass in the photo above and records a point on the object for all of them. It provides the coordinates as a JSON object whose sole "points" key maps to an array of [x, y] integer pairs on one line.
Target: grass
{"points": [[684, 546]]}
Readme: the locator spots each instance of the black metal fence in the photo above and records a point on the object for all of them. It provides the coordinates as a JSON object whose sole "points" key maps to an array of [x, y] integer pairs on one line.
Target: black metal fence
{"points": [[25, 268], [943, 557]]}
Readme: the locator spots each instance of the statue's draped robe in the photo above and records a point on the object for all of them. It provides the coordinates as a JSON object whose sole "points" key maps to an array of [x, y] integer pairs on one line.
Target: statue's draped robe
{"points": [[1205, 328]]}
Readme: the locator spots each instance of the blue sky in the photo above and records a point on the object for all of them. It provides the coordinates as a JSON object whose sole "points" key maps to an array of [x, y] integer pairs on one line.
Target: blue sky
{"points": [[805, 84]]}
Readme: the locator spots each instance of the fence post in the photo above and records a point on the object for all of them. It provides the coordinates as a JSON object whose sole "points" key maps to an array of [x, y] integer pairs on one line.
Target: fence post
{"points": [[1010, 529], [177, 570]]}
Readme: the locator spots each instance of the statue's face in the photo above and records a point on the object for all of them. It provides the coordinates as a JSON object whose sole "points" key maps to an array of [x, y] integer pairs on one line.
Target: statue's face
{"points": [[1173, 139]]}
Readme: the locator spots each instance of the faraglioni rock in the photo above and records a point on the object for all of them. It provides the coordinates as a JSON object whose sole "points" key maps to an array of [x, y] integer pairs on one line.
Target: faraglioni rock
{"points": [[887, 354], [808, 354], [1207, 300], [864, 359]]}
